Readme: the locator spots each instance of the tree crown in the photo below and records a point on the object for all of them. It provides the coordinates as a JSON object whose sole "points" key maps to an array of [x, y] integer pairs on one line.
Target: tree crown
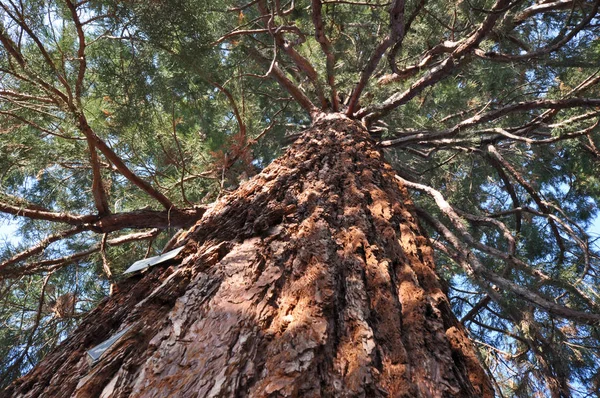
{"points": [[122, 121]]}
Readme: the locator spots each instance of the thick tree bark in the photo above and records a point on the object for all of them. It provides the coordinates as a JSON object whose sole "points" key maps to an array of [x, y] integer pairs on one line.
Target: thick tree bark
{"points": [[312, 279]]}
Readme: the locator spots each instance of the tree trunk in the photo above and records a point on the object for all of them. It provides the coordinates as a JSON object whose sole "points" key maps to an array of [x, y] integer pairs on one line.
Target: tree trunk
{"points": [[312, 279]]}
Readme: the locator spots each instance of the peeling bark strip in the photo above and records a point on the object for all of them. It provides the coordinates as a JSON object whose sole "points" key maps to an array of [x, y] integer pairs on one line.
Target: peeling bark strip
{"points": [[312, 279]]}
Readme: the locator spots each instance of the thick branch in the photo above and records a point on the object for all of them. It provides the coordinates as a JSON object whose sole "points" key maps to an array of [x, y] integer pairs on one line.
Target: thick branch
{"points": [[398, 45], [120, 165], [39, 213], [287, 84], [396, 34], [176, 218], [317, 18], [301, 62]]}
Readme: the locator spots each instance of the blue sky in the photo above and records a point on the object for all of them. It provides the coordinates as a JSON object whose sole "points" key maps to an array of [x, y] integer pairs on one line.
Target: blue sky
{"points": [[8, 231]]}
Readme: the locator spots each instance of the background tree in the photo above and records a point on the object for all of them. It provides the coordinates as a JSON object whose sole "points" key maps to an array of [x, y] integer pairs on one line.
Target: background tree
{"points": [[121, 122]]}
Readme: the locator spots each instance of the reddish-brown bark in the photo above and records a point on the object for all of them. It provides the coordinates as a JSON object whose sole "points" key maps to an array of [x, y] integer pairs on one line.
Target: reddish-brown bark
{"points": [[312, 279]]}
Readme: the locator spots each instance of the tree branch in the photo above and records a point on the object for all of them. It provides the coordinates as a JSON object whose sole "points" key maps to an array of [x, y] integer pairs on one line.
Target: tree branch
{"points": [[474, 268], [555, 46], [322, 39], [55, 264], [120, 165], [38, 213], [301, 62], [442, 70], [140, 219], [540, 8], [19, 19], [489, 116], [534, 195], [287, 84], [41, 246], [396, 34]]}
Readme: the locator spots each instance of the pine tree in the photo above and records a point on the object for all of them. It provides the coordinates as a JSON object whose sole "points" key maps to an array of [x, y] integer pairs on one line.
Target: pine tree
{"points": [[442, 163]]}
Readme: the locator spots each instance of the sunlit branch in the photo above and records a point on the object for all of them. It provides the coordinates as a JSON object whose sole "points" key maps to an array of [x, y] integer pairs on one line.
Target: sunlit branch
{"points": [[428, 59], [476, 269], [26, 97], [532, 141], [540, 8], [58, 263], [490, 116], [38, 248], [38, 213]]}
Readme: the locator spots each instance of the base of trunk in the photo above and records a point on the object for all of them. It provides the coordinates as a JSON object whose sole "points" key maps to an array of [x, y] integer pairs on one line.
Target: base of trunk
{"points": [[312, 279]]}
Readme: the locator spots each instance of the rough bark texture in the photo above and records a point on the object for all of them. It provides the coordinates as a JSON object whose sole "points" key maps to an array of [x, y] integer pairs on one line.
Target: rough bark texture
{"points": [[312, 279]]}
